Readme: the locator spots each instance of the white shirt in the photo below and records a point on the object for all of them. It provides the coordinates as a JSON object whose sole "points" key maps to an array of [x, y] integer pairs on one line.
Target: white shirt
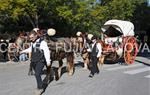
{"points": [[44, 47], [99, 47]]}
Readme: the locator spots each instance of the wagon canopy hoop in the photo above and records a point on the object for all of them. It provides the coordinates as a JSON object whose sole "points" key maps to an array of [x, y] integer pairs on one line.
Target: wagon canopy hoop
{"points": [[118, 27]]}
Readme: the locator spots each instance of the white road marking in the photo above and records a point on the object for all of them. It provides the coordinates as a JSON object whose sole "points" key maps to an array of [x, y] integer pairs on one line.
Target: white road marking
{"points": [[136, 71], [148, 76], [124, 67]]}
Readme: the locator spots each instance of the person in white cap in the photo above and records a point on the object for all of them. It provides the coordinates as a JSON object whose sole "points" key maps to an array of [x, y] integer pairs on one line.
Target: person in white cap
{"points": [[95, 54]]}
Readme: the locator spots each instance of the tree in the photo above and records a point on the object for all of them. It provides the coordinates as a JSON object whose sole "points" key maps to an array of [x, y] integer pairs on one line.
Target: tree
{"points": [[66, 16], [17, 12]]}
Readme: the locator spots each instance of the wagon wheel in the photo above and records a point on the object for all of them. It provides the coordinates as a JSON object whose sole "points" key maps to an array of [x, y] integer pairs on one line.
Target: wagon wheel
{"points": [[130, 50]]}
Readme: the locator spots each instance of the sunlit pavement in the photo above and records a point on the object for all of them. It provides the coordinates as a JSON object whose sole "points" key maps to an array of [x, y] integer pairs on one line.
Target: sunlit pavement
{"points": [[113, 79]]}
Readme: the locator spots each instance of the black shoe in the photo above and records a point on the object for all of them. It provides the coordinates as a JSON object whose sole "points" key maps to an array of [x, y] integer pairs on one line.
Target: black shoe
{"points": [[97, 72], [91, 75], [38, 91], [56, 75]]}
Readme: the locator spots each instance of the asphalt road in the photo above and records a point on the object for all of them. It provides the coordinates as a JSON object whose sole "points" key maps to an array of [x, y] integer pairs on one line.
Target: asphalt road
{"points": [[114, 79]]}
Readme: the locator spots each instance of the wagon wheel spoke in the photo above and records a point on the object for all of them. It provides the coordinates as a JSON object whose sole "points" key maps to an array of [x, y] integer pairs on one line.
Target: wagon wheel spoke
{"points": [[130, 51]]}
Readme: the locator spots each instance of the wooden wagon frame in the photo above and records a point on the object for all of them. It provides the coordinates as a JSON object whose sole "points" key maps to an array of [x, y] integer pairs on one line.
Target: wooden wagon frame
{"points": [[119, 39]]}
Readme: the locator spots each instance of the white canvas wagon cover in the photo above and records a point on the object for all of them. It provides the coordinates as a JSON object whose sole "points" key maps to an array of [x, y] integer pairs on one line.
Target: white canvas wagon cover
{"points": [[121, 27]]}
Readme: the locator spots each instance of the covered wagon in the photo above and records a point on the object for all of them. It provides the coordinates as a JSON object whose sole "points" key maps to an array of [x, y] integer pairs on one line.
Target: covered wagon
{"points": [[119, 41]]}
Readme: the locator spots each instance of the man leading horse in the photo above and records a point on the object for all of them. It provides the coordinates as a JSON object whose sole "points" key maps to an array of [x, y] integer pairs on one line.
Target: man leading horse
{"points": [[40, 56]]}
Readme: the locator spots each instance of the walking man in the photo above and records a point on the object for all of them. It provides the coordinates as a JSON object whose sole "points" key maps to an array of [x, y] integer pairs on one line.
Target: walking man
{"points": [[40, 56], [95, 55]]}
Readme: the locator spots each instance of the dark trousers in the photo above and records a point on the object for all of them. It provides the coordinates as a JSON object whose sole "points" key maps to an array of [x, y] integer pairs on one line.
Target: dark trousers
{"points": [[94, 68], [38, 68]]}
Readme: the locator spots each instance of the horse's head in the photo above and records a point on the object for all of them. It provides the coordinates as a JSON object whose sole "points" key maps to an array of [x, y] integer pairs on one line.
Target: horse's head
{"points": [[41, 33], [81, 42]]}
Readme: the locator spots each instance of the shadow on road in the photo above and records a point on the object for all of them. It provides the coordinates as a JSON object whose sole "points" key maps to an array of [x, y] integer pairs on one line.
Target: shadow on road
{"points": [[145, 55], [53, 75], [148, 64], [79, 64]]}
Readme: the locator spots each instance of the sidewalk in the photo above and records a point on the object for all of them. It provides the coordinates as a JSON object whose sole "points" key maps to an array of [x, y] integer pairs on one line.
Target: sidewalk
{"points": [[144, 60]]}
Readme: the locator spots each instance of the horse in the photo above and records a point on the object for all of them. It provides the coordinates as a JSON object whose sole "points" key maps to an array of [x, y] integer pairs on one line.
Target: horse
{"points": [[82, 44], [59, 49]]}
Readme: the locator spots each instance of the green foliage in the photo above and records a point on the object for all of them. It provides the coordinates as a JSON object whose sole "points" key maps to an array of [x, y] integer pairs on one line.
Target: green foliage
{"points": [[141, 16], [67, 16]]}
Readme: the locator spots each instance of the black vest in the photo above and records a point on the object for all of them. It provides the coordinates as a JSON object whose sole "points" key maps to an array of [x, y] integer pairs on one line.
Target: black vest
{"points": [[37, 54], [94, 50]]}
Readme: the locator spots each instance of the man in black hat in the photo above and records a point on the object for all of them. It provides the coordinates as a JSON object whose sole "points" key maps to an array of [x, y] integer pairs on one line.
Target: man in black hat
{"points": [[95, 54]]}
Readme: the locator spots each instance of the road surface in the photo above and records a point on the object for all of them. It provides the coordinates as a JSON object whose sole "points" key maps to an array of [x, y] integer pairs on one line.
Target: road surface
{"points": [[114, 79]]}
